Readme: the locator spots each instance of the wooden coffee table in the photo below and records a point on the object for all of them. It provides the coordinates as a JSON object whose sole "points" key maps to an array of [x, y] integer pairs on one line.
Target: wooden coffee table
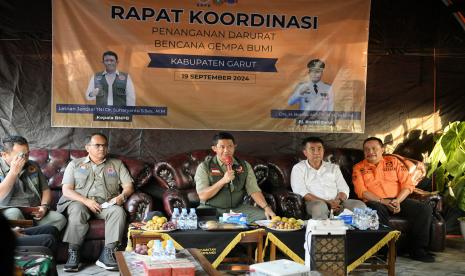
{"points": [[207, 267]]}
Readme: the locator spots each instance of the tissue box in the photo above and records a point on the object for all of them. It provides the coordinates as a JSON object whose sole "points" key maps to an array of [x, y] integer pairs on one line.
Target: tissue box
{"points": [[279, 267], [236, 218]]}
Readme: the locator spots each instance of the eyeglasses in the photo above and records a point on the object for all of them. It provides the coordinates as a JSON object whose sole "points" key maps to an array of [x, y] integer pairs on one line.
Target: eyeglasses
{"points": [[99, 145]]}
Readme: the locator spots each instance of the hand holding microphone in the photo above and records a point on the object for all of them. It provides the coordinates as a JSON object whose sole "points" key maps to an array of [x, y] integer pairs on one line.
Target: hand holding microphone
{"points": [[228, 160]]}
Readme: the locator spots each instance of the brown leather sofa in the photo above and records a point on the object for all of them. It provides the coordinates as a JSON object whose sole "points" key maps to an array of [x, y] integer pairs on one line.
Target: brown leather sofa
{"points": [[176, 188], [290, 204], [175, 179], [53, 164]]}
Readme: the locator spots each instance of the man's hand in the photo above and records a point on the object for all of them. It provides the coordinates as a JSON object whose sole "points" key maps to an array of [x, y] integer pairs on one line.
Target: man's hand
{"points": [[40, 213], [118, 200], [17, 165], [269, 212], [394, 203], [304, 88], [334, 204], [93, 205], [228, 176], [94, 92], [19, 232]]}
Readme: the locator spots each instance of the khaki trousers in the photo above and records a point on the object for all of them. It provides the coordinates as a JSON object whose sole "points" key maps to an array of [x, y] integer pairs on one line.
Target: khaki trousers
{"points": [[318, 209], [52, 218], [79, 215]]}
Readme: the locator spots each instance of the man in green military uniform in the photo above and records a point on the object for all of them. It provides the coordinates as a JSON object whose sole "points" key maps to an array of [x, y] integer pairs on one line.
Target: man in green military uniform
{"points": [[22, 183], [224, 186], [111, 87], [91, 188]]}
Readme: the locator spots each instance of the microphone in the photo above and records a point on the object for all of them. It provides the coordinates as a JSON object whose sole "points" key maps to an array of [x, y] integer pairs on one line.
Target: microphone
{"points": [[228, 160]]}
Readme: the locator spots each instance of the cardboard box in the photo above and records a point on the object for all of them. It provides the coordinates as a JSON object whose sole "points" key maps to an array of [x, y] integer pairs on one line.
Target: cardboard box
{"points": [[176, 267], [279, 267], [182, 269], [157, 269]]}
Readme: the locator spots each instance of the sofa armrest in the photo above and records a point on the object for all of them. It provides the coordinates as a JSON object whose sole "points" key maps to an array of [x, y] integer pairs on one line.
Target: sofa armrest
{"points": [[138, 206], [434, 199], [165, 175], [173, 198], [290, 204]]}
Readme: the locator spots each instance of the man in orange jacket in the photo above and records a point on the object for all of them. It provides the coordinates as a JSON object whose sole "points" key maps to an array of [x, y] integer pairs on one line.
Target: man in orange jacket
{"points": [[384, 183]]}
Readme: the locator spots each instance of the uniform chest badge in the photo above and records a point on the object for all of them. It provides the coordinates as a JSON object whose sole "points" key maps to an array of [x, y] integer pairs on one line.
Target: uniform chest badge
{"points": [[239, 169], [82, 168], [31, 169], [121, 77], [99, 78], [215, 172], [111, 171], [389, 166]]}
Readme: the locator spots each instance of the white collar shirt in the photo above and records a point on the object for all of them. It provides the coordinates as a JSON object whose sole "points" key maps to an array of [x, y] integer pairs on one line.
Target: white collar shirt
{"points": [[325, 183]]}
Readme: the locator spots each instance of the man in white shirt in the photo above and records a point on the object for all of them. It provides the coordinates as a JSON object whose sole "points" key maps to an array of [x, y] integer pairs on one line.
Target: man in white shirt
{"points": [[313, 95], [320, 183], [111, 87]]}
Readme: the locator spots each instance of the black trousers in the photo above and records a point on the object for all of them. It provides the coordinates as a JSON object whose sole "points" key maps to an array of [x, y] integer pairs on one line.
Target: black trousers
{"points": [[419, 216], [43, 235]]}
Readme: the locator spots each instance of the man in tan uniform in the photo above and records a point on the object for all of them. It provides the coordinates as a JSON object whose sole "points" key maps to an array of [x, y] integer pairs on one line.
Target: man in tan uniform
{"points": [[88, 183], [22, 183]]}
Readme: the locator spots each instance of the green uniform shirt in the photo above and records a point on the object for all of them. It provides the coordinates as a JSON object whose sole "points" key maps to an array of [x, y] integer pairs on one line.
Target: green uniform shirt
{"points": [[203, 176], [27, 190]]}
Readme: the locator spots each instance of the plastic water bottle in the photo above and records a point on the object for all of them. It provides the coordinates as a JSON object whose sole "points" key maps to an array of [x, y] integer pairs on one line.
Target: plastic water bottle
{"points": [[182, 220], [170, 251], [157, 251], [192, 219], [175, 217], [374, 220]]}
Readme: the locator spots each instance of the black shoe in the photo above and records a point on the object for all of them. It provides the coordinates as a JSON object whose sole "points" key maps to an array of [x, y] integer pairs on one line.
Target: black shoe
{"points": [[107, 259], [422, 256], [72, 265]]}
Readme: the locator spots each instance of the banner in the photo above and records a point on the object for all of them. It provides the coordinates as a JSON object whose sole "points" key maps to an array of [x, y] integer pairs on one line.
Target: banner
{"points": [[291, 66]]}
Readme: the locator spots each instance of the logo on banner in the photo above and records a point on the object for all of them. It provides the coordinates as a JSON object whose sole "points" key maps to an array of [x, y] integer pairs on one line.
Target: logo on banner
{"points": [[206, 3], [203, 3]]}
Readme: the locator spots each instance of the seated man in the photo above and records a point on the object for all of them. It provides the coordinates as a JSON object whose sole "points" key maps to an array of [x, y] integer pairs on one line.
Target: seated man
{"points": [[43, 235], [384, 183], [223, 186], [320, 183], [87, 183], [23, 184]]}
